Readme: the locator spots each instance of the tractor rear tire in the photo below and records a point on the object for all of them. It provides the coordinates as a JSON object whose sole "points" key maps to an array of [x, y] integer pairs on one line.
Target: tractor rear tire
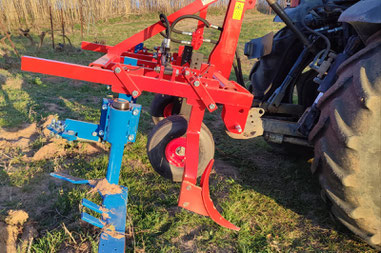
{"points": [[347, 141]]}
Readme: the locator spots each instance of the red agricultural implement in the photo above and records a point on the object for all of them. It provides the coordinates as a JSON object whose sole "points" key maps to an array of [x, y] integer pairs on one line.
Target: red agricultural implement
{"points": [[130, 69]]}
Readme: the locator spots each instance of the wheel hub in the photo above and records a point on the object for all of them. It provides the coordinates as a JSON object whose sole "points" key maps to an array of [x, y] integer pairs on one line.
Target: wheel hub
{"points": [[175, 152]]}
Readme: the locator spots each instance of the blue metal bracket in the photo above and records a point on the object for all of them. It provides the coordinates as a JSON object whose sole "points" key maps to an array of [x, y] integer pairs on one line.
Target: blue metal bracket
{"points": [[117, 125]]}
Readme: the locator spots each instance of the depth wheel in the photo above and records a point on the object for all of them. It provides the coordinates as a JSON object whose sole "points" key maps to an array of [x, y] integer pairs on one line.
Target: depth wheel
{"points": [[163, 106], [166, 147]]}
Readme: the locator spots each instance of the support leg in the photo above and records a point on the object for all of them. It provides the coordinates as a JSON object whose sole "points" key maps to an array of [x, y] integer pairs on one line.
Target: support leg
{"points": [[192, 197]]}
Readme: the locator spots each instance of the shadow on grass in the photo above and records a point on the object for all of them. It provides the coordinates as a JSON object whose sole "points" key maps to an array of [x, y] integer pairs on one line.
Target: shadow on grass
{"points": [[283, 177]]}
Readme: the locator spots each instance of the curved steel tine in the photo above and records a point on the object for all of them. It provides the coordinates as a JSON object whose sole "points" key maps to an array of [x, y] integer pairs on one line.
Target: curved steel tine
{"points": [[208, 203]]}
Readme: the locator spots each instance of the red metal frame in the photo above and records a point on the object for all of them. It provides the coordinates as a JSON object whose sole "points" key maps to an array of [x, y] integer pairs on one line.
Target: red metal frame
{"points": [[203, 88]]}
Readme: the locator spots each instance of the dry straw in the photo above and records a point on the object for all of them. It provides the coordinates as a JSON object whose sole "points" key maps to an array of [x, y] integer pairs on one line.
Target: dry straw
{"points": [[35, 13]]}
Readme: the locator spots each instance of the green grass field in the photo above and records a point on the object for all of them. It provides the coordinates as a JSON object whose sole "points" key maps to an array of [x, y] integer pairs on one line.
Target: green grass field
{"points": [[272, 196]]}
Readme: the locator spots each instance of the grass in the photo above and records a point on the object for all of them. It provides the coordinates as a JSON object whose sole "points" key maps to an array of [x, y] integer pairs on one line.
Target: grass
{"points": [[272, 196]]}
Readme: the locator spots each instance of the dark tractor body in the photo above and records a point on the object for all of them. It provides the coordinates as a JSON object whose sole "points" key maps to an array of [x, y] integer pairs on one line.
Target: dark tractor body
{"points": [[338, 107]]}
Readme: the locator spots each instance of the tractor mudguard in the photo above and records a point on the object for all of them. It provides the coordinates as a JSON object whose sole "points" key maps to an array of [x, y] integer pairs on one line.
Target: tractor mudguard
{"points": [[365, 17], [269, 72], [259, 47], [297, 13]]}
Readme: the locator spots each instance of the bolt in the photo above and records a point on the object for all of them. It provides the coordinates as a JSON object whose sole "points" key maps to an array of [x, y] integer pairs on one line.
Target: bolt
{"points": [[180, 151], [101, 133], [118, 70], [131, 137], [94, 134], [196, 83], [187, 73], [212, 106], [104, 107], [185, 204], [70, 132], [177, 72], [189, 188], [238, 128], [135, 93], [135, 112]]}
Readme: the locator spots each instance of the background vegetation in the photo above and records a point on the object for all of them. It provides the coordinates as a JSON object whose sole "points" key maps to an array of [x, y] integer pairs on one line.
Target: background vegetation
{"points": [[36, 13]]}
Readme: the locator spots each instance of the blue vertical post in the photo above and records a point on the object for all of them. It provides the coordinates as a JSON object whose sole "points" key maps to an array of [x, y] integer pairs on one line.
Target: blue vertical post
{"points": [[118, 126], [116, 133]]}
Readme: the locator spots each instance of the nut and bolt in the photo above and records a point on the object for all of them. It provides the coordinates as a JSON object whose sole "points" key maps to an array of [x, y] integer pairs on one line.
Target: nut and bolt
{"points": [[135, 93], [196, 83], [189, 188], [101, 133], [118, 70], [131, 137], [187, 73], [185, 204], [135, 112], [70, 132], [94, 134], [212, 106], [180, 151], [238, 128], [104, 107]]}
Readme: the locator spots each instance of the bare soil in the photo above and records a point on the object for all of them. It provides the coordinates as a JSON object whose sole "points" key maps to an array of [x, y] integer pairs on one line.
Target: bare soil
{"points": [[104, 187], [12, 228]]}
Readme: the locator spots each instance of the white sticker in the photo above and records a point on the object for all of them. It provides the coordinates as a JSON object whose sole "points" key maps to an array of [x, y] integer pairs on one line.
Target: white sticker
{"points": [[205, 2]]}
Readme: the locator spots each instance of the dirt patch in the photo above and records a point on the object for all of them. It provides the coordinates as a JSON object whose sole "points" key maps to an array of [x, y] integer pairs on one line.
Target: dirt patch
{"points": [[53, 108], [53, 79], [104, 187], [76, 83], [26, 131], [12, 228], [224, 168], [17, 138], [23, 138], [16, 217], [54, 149], [91, 148]]}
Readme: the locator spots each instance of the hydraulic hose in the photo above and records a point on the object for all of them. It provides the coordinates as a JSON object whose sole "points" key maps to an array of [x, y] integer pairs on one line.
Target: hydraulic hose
{"points": [[164, 20], [172, 27]]}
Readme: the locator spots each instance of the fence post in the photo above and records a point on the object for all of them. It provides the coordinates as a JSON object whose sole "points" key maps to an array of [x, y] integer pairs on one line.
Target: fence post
{"points": [[51, 26], [63, 26], [81, 17]]}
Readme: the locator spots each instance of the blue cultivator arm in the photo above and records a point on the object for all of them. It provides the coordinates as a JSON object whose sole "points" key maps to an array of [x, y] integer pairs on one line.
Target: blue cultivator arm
{"points": [[118, 126]]}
